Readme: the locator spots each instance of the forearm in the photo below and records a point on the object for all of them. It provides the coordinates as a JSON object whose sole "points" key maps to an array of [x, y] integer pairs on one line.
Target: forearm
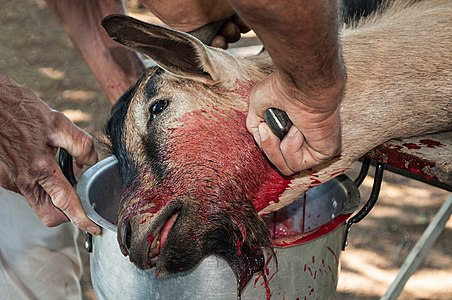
{"points": [[188, 15], [302, 39], [115, 67]]}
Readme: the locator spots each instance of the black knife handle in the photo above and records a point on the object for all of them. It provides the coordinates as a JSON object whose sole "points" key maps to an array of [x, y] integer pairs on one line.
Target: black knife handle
{"points": [[278, 121], [66, 164]]}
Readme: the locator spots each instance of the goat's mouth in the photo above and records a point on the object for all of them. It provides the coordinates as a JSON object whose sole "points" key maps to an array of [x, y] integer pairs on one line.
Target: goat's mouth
{"points": [[143, 236], [178, 237], [159, 240]]}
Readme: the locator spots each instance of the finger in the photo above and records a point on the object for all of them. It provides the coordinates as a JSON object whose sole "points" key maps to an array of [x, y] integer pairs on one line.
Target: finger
{"points": [[292, 149], [219, 41], [252, 125], [77, 142], [270, 144], [253, 121], [240, 24], [41, 203], [64, 198], [231, 32]]}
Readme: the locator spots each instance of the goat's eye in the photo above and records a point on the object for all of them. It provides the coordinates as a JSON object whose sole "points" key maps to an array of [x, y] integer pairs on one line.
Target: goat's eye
{"points": [[158, 106]]}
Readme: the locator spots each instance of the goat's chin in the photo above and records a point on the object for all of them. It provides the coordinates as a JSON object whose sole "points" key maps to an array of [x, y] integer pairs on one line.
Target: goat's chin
{"points": [[240, 238]]}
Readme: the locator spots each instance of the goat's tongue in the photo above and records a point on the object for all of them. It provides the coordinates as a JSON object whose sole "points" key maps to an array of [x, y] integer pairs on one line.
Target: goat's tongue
{"points": [[166, 229]]}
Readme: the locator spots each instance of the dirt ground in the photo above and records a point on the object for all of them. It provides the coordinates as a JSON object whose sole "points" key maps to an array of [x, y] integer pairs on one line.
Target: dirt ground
{"points": [[36, 53]]}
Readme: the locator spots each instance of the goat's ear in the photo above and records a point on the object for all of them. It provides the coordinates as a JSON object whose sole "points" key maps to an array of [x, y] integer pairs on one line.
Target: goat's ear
{"points": [[176, 52]]}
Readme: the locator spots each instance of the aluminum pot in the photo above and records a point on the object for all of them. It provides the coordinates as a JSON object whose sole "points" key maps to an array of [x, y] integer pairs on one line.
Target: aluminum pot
{"points": [[306, 267]]}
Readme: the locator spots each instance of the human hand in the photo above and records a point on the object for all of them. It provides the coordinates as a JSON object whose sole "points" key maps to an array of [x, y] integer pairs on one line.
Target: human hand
{"points": [[316, 133], [190, 15], [30, 135], [230, 32]]}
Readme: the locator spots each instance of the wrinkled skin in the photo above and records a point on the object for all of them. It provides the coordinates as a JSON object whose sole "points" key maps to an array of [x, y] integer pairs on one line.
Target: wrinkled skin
{"points": [[30, 135], [195, 183]]}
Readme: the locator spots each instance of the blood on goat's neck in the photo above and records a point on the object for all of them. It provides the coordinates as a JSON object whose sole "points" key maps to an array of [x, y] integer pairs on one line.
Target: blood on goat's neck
{"points": [[216, 154]]}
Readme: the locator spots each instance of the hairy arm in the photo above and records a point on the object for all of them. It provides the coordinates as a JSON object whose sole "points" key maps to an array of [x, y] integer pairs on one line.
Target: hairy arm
{"points": [[302, 39], [115, 67]]}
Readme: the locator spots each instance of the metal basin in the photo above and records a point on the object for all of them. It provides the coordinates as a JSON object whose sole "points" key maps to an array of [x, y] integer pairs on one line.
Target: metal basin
{"points": [[308, 258]]}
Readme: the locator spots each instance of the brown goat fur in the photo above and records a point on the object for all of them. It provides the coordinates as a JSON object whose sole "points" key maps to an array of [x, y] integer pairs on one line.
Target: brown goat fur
{"points": [[194, 179]]}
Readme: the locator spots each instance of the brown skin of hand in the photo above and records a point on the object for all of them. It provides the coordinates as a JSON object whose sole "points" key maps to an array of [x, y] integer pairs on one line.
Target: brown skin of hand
{"points": [[308, 83], [314, 138], [30, 135], [310, 74]]}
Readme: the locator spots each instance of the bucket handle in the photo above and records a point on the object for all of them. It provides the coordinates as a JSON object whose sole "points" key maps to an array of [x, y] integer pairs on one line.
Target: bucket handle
{"points": [[365, 210]]}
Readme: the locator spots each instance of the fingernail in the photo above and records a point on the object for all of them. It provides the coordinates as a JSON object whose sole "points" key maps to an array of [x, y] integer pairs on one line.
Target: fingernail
{"points": [[263, 132]]}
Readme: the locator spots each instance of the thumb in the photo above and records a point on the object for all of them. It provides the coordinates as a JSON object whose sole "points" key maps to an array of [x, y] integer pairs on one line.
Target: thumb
{"points": [[77, 142], [64, 198]]}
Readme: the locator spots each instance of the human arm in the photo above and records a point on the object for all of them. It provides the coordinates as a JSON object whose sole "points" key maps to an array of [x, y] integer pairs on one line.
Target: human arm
{"points": [[115, 67], [302, 39], [188, 15], [30, 135]]}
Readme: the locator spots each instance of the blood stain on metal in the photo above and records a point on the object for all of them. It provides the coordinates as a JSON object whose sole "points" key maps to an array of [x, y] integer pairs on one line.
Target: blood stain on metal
{"points": [[390, 154], [315, 233], [411, 146], [267, 288], [431, 143], [311, 291]]}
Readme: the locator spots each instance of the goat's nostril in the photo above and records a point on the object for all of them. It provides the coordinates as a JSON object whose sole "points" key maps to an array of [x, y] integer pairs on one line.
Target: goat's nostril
{"points": [[126, 234]]}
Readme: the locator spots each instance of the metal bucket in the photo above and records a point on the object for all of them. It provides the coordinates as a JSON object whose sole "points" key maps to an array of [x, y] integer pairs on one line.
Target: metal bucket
{"points": [[308, 267]]}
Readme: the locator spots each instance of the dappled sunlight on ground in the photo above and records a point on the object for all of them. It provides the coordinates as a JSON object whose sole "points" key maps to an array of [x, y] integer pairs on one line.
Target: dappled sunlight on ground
{"points": [[380, 243], [52, 73], [79, 95], [77, 116]]}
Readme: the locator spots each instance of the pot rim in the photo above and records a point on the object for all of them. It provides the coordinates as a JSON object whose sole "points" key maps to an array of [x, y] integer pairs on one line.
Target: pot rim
{"points": [[83, 188], [85, 182]]}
